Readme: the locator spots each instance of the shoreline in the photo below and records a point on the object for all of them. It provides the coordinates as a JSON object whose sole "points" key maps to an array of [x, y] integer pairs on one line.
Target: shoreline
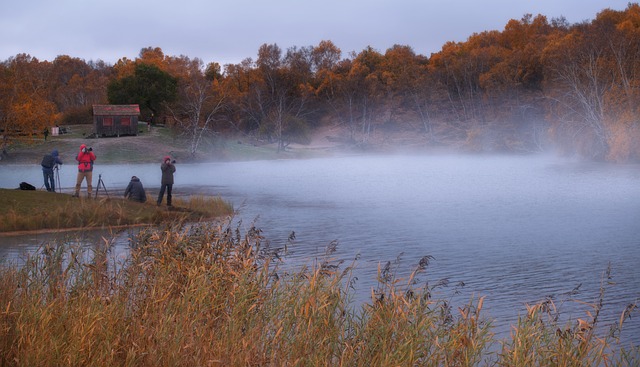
{"points": [[40, 212]]}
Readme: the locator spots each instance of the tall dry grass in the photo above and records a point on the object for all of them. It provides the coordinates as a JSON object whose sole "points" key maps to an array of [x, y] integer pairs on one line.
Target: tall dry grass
{"points": [[540, 339], [213, 295]]}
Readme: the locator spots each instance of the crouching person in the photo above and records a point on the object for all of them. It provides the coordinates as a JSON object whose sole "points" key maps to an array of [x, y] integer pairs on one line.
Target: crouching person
{"points": [[135, 191]]}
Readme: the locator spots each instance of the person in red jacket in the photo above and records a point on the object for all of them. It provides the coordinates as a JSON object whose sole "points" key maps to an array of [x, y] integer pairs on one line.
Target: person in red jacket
{"points": [[85, 160]]}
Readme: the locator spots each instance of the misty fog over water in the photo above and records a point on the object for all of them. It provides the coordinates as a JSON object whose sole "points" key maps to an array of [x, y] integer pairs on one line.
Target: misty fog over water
{"points": [[513, 229]]}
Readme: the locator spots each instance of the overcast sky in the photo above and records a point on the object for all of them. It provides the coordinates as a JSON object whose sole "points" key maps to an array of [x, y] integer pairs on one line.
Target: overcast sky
{"points": [[230, 31]]}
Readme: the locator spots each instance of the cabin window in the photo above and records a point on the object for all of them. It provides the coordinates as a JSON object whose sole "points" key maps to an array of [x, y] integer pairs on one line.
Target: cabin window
{"points": [[107, 121], [125, 121]]}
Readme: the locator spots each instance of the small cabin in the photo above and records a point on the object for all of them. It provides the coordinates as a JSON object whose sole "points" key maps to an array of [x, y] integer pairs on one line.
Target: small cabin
{"points": [[116, 120]]}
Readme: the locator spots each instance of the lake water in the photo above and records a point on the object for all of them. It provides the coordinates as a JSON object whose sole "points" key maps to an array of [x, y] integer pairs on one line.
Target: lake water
{"points": [[512, 229]]}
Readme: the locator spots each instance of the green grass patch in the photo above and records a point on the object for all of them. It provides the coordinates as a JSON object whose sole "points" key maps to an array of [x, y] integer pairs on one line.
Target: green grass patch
{"points": [[36, 210]]}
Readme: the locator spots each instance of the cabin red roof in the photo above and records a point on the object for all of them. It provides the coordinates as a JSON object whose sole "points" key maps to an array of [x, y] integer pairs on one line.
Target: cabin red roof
{"points": [[115, 109]]}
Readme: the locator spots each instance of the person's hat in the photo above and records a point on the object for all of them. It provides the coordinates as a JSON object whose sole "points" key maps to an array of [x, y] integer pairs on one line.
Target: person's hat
{"points": [[166, 157]]}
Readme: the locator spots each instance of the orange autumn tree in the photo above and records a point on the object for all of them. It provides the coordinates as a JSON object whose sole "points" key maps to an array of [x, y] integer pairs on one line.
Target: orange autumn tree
{"points": [[453, 65], [125, 67], [513, 85], [360, 93], [270, 98], [243, 84], [591, 83], [326, 58], [25, 109], [75, 86], [199, 103], [623, 100], [404, 76], [285, 93]]}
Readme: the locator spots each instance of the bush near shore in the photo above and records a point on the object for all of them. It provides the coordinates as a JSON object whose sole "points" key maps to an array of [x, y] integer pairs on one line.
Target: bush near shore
{"points": [[210, 295]]}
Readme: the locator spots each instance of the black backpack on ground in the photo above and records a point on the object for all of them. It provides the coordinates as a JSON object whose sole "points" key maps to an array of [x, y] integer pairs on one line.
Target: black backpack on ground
{"points": [[26, 186]]}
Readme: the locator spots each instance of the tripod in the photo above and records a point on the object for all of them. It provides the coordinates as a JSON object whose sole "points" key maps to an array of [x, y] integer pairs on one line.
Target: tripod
{"points": [[56, 178], [101, 183]]}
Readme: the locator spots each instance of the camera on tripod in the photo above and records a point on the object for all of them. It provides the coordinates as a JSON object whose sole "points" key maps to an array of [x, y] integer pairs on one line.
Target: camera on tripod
{"points": [[101, 185]]}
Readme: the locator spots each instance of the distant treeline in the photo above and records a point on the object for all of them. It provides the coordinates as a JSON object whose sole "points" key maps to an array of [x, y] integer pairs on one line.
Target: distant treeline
{"points": [[535, 85]]}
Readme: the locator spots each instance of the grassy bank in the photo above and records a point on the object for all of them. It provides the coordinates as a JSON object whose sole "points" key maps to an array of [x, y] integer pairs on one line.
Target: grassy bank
{"points": [[147, 146], [40, 210], [211, 296]]}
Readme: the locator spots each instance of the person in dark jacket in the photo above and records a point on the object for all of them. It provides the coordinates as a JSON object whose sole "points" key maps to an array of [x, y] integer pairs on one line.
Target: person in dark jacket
{"points": [[49, 163], [135, 190], [166, 183]]}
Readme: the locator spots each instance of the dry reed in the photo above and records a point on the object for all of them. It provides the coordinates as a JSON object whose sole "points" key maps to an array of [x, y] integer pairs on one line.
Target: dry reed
{"points": [[209, 295]]}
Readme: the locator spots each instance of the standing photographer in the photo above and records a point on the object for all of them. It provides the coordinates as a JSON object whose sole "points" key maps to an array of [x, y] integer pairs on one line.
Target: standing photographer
{"points": [[167, 169], [49, 163], [85, 160]]}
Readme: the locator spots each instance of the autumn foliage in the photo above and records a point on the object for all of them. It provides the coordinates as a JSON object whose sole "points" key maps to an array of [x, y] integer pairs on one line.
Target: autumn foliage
{"points": [[536, 85]]}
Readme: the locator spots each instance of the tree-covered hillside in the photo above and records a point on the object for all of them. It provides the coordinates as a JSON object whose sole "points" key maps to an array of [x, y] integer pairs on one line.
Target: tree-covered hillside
{"points": [[534, 85]]}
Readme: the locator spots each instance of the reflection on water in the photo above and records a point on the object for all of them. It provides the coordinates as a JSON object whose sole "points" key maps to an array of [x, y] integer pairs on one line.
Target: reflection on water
{"points": [[514, 229], [16, 249]]}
